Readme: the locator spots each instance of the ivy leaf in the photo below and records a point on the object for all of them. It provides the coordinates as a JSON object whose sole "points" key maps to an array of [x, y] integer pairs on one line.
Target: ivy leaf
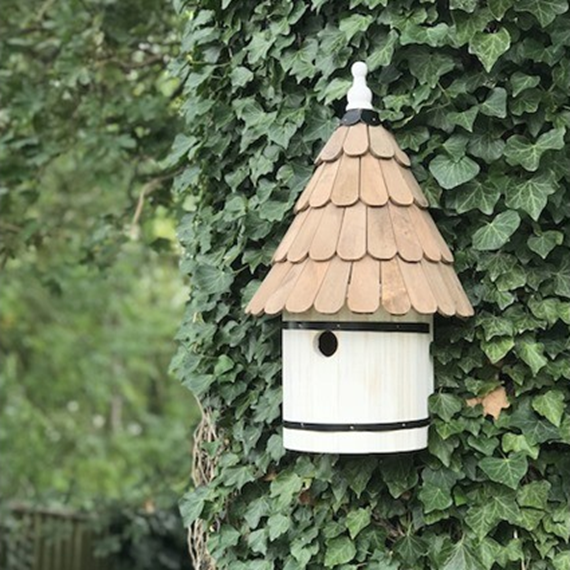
{"points": [[472, 196], [508, 471], [498, 8], [544, 243], [534, 495], [429, 67], [532, 353], [488, 47], [545, 11], [444, 405], [383, 51], [211, 280], [551, 406], [462, 558], [519, 151], [192, 504], [465, 5], [277, 525], [531, 195], [435, 498], [496, 104], [340, 550], [497, 348], [354, 24], [521, 81], [496, 233], [357, 520], [486, 146], [451, 172]]}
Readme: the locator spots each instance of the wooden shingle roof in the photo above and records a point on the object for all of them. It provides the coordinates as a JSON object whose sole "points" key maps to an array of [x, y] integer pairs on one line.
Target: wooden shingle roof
{"points": [[362, 238]]}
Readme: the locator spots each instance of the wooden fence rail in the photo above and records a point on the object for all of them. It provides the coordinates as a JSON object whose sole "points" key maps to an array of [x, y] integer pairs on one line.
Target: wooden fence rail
{"points": [[40, 539]]}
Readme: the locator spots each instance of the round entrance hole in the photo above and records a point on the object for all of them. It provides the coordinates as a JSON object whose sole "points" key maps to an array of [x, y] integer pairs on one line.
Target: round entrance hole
{"points": [[327, 343]]}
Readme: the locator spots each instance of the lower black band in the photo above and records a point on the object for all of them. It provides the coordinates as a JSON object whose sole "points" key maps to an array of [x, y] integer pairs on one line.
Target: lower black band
{"points": [[357, 326], [393, 426]]}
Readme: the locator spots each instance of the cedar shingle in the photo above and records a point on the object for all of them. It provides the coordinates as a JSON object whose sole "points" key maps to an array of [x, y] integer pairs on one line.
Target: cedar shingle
{"points": [[362, 238]]}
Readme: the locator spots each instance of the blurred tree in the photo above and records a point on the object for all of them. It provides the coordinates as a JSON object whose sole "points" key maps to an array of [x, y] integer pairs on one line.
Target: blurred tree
{"points": [[89, 291]]}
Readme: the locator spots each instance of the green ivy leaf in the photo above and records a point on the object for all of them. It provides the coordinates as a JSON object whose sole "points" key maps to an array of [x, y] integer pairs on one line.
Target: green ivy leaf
{"points": [[339, 550], [545, 11], [544, 243], [435, 498], [277, 525], [519, 151], [499, 8], [462, 558], [519, 442], [465, 5], [354, 24], [486, 146], [429, 67], [534, 495], [474, 195], [532, 353], [551, 406], [356, 521], [445, 405], [450, 172], [489, 47], [383, 51], [496, 234], [497, 348], [496, 104], [192, 504], [521, 81], [508, 471], [531, 195]]}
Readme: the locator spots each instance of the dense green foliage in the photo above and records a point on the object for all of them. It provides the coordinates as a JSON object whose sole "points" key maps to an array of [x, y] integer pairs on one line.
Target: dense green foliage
{"points": [[89, 289], [478, 94]]}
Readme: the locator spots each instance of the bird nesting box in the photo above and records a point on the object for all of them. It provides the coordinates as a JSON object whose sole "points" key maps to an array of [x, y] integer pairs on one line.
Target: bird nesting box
{"points": [[357, 278]]}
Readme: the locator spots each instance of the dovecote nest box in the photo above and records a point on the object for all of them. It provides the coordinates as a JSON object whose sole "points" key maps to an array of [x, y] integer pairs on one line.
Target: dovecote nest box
{"points": [[357, 278]]}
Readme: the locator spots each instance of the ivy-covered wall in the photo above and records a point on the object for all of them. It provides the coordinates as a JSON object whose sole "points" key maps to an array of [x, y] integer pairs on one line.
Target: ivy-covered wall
{"points": [[477, 92]]}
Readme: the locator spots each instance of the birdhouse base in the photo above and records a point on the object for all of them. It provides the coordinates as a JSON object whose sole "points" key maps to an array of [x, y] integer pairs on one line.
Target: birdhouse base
{"points": [[355, 442]]}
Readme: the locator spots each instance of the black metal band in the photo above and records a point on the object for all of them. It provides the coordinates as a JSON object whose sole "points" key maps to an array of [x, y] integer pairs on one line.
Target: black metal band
{"points": [[354, 116], [393, 426], [357, 326]]}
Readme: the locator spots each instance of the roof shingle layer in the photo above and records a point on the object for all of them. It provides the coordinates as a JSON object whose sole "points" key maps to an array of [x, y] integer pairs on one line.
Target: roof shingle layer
{"points": [[362, 238]]}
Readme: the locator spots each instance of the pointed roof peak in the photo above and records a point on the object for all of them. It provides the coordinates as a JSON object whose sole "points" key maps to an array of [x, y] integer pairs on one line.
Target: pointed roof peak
{"points": [[359, 95]]}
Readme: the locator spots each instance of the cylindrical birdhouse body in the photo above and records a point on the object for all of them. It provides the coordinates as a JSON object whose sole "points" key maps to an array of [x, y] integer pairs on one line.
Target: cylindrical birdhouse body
{"points": [[356, 383]]}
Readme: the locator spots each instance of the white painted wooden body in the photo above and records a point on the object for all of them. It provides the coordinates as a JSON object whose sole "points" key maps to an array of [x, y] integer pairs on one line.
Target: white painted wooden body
{"points": [[372, 378]]}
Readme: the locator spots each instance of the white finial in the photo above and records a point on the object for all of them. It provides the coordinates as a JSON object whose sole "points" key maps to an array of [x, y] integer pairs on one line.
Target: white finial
{"points": [[359, 95]]}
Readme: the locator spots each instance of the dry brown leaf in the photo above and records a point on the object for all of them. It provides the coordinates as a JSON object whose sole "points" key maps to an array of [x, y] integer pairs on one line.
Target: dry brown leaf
{"points": [[492, 403]]}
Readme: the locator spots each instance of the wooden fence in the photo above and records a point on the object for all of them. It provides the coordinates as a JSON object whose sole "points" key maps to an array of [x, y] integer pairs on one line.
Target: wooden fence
{"points": [[40, 539]]}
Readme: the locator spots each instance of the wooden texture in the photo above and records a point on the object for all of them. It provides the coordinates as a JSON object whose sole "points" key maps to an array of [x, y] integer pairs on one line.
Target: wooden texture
{"points": [[325, 241], [362, 238], [407, 243], [333, 149], [364, 287], [398, 189], [299, 249], [380, 144], [303, 294], [303, 201], [345, 191], [322, 191], [332, 294], [395, 297], [352, 238], [356, 141], [381, 240], [372, 186]]}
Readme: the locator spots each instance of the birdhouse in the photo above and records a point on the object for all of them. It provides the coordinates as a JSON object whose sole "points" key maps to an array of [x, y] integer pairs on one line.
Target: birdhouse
{"points": [[357, 279]]}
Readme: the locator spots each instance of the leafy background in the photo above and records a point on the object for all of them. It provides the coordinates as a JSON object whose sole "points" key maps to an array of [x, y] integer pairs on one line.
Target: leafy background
{"points": [[90, 292], [477, 93]]}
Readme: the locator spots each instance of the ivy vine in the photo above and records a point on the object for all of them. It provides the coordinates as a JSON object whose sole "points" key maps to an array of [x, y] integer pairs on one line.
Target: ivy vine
{"points": [[477, 92]]}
